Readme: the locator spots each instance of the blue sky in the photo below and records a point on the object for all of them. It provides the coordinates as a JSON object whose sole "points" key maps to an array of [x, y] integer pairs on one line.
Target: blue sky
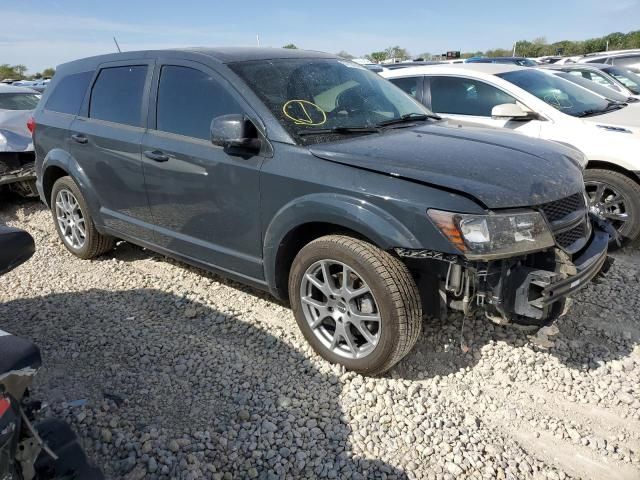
{"points": [[42, 33]]}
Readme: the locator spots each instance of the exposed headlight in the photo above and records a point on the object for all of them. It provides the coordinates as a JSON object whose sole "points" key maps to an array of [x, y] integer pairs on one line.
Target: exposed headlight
{"points": [[495, 235]]}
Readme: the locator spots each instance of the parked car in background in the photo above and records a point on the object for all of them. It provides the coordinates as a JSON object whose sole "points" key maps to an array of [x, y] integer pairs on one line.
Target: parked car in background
{"points": [[395, 66], [540, 105], [16, 147], [596, 88], [312, 177], [521, 61], [627, 59], [619, 79]]}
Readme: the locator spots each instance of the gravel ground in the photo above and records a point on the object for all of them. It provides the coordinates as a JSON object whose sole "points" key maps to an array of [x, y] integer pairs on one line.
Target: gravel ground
{"points": [[167, 371]]}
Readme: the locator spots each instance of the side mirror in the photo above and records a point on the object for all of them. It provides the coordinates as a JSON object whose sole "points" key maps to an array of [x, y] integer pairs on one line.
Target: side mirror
{"points": [[511, 111], [236, 134]]}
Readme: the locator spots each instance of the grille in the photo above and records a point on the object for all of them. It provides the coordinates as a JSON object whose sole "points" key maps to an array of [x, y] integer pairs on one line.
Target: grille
{"points": [[561, 208], [568, 238]]}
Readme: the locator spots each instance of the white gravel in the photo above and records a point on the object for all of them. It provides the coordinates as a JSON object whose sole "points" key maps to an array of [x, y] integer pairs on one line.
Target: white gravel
{"points": [[167, 371]]}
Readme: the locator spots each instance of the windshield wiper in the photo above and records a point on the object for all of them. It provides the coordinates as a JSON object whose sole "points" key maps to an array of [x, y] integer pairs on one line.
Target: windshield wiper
{"points": [[611, 105], [337, 130], [408, 117]]}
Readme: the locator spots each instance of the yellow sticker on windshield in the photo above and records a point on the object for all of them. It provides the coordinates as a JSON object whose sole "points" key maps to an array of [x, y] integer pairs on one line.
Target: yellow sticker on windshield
{"points": [[303, 112]]}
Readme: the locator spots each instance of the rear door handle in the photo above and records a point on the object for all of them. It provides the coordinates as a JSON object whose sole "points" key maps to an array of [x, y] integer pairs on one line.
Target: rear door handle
{"points": [[156, 155], [79, 138]]}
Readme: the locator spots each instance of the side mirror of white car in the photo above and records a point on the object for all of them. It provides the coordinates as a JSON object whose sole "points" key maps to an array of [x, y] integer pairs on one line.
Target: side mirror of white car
{"points": [[510, 110]]}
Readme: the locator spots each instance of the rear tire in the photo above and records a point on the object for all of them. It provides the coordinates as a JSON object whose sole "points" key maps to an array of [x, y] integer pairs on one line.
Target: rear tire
{"points": [[390, 294], [73, 221], [616, 198]]}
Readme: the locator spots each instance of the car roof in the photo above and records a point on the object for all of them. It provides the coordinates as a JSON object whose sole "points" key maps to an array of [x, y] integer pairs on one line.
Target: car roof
{"points": [[219, 54], [576, 66], [457, 68], [11, 89]]}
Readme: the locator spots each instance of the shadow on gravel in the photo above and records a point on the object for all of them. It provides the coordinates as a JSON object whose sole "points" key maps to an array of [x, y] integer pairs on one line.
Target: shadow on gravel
{"points": [[203, 391], [10, 204], [438, 351]]}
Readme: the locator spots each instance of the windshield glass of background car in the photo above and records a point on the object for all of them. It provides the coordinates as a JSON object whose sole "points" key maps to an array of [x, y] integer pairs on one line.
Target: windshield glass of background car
{"points": [[557, 92], [627, 78], [306, 94], [595, 87], [18, 101]]}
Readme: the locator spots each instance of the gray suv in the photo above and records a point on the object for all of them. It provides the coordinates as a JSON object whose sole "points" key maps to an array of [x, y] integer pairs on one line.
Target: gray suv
{"points": [[313, 178]]}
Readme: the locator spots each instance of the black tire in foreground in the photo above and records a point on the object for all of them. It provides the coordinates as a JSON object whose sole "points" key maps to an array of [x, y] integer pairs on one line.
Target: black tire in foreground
{"points": [[73, 221], [616, 198], [356, 304]]}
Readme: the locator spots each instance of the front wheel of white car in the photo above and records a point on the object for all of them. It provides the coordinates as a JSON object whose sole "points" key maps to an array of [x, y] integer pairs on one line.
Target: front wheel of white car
{"points": [[615, 197]]}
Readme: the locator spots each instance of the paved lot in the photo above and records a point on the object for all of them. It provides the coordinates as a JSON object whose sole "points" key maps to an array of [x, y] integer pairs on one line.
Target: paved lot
{"points": [[186, 375]]}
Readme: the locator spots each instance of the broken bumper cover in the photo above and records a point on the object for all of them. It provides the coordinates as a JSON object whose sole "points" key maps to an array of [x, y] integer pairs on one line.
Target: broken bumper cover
{"points": [[588, 265]]}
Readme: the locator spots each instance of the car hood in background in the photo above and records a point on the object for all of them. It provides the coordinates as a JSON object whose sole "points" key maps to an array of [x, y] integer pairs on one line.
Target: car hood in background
{"points": [[500, 169], [627, 117], [13, 127]]}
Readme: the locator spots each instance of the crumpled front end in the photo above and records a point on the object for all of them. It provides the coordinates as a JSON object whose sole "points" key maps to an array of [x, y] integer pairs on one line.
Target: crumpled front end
{"points": [[526, 289]]}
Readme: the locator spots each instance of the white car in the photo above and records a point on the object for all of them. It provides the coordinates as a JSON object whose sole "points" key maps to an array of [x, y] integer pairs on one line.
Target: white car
{"points": [[541, 105]]}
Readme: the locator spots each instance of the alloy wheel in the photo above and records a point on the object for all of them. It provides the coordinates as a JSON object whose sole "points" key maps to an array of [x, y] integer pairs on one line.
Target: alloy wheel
{"points": [[70, 219], [607, 203], [340, 309]]}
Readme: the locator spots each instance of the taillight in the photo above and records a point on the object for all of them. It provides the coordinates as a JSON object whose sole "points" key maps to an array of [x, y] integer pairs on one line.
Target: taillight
{"points": [[5, 405], [31, 125]]}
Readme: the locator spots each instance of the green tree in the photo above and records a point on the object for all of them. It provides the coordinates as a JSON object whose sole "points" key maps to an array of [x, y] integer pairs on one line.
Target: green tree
{"points": [[49, 72], [344, 54], [397, 53], [425, 56], [20, 70], [290, 46], [377, 57]]}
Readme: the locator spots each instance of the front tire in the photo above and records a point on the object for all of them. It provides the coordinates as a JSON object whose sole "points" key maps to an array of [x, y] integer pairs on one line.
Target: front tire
{"points": [[73, 221], [616, 198], [356, 305]]}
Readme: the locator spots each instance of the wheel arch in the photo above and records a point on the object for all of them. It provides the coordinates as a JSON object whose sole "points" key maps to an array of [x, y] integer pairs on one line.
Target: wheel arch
{"points": [[314, 216], [59, 163], [604, 165]]}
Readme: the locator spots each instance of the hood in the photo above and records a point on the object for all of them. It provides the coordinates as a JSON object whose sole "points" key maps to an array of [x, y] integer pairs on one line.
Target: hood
{"points": [[13, 127], [500, 169], [627, 117]]}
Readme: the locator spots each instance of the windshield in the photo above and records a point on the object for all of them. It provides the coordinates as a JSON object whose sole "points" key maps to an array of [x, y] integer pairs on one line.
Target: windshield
{"points": [[317, 99], [559, 93], [18, 101], [593, 86], [626, 77]]}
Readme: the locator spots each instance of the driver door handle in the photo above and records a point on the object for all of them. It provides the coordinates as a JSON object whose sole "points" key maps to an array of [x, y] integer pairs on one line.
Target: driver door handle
{"points": [[156, 155]]}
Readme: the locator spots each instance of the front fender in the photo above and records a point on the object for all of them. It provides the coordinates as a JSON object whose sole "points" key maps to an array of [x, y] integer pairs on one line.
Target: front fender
{"points": [[359, 215], [58, 158]]}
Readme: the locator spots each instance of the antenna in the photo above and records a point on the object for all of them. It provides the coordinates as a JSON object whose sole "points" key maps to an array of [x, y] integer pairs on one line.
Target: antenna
{"points": [[117, 46]]}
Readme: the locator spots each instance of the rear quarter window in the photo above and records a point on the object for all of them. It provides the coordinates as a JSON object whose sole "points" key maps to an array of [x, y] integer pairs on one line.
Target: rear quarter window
{"points": [[69, 92]]}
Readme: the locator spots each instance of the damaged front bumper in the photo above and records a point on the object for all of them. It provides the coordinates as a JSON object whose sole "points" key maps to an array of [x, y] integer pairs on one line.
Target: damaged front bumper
{"points": [[531, 289]]}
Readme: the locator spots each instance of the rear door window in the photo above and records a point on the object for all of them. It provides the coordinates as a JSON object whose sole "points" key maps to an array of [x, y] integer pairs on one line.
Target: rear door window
{"points": [[407, 84], [464, 96], [117, 95], [68, 94], [188, 99]]}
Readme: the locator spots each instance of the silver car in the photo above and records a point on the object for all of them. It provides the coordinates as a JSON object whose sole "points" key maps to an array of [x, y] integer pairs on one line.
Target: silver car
{"points": [[16, 146]]}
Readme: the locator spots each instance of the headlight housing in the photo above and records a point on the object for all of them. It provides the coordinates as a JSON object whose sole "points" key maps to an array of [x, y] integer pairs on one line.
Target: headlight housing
{"points": [[485, 237]]}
